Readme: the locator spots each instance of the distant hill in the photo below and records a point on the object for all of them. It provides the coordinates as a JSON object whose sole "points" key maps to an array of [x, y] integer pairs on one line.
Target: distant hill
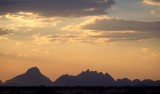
{"points": [[149, 82], [33, 77], [137, 82], [85, 78]]}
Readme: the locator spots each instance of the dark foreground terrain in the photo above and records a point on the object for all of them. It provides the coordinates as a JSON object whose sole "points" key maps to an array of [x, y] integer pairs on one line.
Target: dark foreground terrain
{"points": [[79, 90]]}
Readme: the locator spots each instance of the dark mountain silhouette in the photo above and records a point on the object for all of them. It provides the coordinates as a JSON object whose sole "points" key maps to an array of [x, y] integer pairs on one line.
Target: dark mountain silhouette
{"points": [[1, 83], [149, 82], [123, 82], [85, 78], [137, 82], [33, 77], [93, 78]]}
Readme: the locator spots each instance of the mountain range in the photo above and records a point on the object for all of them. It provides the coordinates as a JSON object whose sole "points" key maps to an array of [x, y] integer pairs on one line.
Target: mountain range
{"points": [[85, 78], [33, 77]]}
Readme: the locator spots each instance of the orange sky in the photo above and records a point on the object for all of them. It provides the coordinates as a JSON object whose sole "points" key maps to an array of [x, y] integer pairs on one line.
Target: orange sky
{"points": [[113, 38]]}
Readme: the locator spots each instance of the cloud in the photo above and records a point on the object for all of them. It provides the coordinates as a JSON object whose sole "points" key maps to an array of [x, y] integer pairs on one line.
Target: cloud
{"points": [[87, 20], [114, 29], [25, 20], [115, 24], [71, 8], [152, 2], [156, 12], [123, 29], [102, 38], [3, 34], [19, 44], [39, 39], [3, 31], [4, 38], [112, 37], [67, 38]]}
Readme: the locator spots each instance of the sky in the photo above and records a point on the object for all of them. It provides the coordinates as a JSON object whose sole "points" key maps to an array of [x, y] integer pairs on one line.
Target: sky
{"points": [[119, 37]]}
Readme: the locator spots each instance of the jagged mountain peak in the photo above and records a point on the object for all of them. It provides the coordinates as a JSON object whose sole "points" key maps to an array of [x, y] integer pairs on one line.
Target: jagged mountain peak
{"points": [[87, 72], [94, 73], [85, 78], [91, 72]]}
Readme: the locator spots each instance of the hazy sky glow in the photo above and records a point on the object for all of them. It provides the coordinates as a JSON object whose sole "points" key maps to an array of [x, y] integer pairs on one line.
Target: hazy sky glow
{"points": [[121, 37]]}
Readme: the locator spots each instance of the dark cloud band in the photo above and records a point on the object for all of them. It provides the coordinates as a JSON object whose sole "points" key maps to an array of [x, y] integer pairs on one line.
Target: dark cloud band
{"points": [[124, 25], [121, 29], [63, 8]]}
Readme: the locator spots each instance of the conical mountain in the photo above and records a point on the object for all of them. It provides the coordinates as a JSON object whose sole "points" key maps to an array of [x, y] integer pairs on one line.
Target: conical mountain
{"points": [[33, 77], [85, 78]]}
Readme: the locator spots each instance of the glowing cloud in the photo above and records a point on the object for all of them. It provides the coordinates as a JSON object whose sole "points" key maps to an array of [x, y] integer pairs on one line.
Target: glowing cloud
{"points": [[25, 20], [152, 2]]}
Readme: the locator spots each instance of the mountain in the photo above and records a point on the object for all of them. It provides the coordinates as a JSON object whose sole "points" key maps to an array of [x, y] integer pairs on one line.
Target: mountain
{"points": [[149, 82], [93, 78], [123, 82], [137, 82], [85, 78], [33, 77], [1, 83]]}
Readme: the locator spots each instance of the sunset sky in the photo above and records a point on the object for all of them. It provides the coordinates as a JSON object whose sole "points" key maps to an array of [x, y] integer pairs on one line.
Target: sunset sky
{"points": [[119, 37]]}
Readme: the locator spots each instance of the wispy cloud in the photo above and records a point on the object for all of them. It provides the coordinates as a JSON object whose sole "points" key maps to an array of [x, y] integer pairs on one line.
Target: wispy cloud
{"points": [[69, 39]]}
